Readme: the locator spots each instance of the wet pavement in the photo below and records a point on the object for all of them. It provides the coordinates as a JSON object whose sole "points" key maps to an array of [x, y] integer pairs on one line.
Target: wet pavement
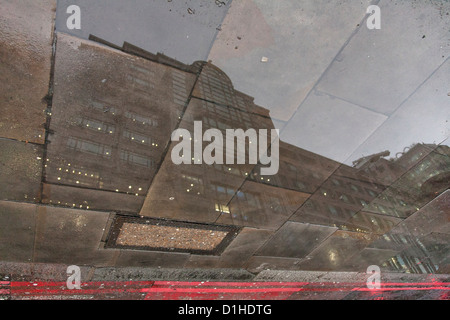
{"points": [[86, 140], [26, 35], [198, 284]]}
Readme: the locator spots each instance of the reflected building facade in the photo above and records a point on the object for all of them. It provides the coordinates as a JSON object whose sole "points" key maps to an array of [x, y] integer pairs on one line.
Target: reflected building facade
{"points": [[113, 115]]}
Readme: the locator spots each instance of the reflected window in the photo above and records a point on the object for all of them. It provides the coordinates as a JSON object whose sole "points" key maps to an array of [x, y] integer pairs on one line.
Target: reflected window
{"points": [[300, 185], [363, 202], [138, 138], [142, 70], [180, 94], [222, 208], [141, 119], [211, 123], [348, 199], [371, 193], [103, 107], [251, 199], [381, 209], [136, 159], [336, 182], [140, 83], [89, 147], [332, 209], [95, 125]]}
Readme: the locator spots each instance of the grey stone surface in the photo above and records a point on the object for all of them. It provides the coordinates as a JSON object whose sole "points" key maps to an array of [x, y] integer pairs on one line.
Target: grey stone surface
{"points": [[112, 117], [17, 231], [21, 170], [360, 261], [26, 37], [58, 272], [391, 241], [433, 217], [295, 240], [437, 248], [289, 276], [373, 223], [330, 126], [202, 187], [130, 258], [262, 206], [319, 295], [122, 274], [300, 39], [422, 117], [382, 59], [256, 264], [316, 210], [204, 262], [73, 197], [243, 247], [70, 236], [334, 251]]}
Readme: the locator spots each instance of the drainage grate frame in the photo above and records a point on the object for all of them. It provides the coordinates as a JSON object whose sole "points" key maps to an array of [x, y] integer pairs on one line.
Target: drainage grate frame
{"points": [[120, 220]]}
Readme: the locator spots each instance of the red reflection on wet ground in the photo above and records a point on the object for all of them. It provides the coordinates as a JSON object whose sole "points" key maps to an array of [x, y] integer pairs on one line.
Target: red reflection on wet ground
{"points": [[176, 290]]}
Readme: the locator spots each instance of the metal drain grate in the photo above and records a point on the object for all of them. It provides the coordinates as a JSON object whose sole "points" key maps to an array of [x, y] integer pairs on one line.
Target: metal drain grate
{"points": [[171, 236]]}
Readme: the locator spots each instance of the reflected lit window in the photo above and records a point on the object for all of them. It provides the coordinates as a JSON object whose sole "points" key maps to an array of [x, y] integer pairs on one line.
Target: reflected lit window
{"points": [[382, 209], [138, 138], [139, 119], [194, 180], [95, 125], [222, 208]]}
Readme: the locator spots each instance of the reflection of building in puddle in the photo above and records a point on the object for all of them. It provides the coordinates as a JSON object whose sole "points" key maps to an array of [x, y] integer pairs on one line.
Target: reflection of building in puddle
{"points": [[112, 120]]}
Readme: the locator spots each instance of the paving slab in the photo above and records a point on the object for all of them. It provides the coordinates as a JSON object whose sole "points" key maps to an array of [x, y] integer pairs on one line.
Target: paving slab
{"points": [[299, 40], [331, 127], [295, 240], [70, 236], [261, 205], [131, 258], [379, 69], [26, 38], [17, 231], [21, 170]]}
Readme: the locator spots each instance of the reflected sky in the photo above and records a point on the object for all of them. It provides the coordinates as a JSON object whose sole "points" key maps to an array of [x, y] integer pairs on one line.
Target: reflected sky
{"points": [[335, 87]]}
